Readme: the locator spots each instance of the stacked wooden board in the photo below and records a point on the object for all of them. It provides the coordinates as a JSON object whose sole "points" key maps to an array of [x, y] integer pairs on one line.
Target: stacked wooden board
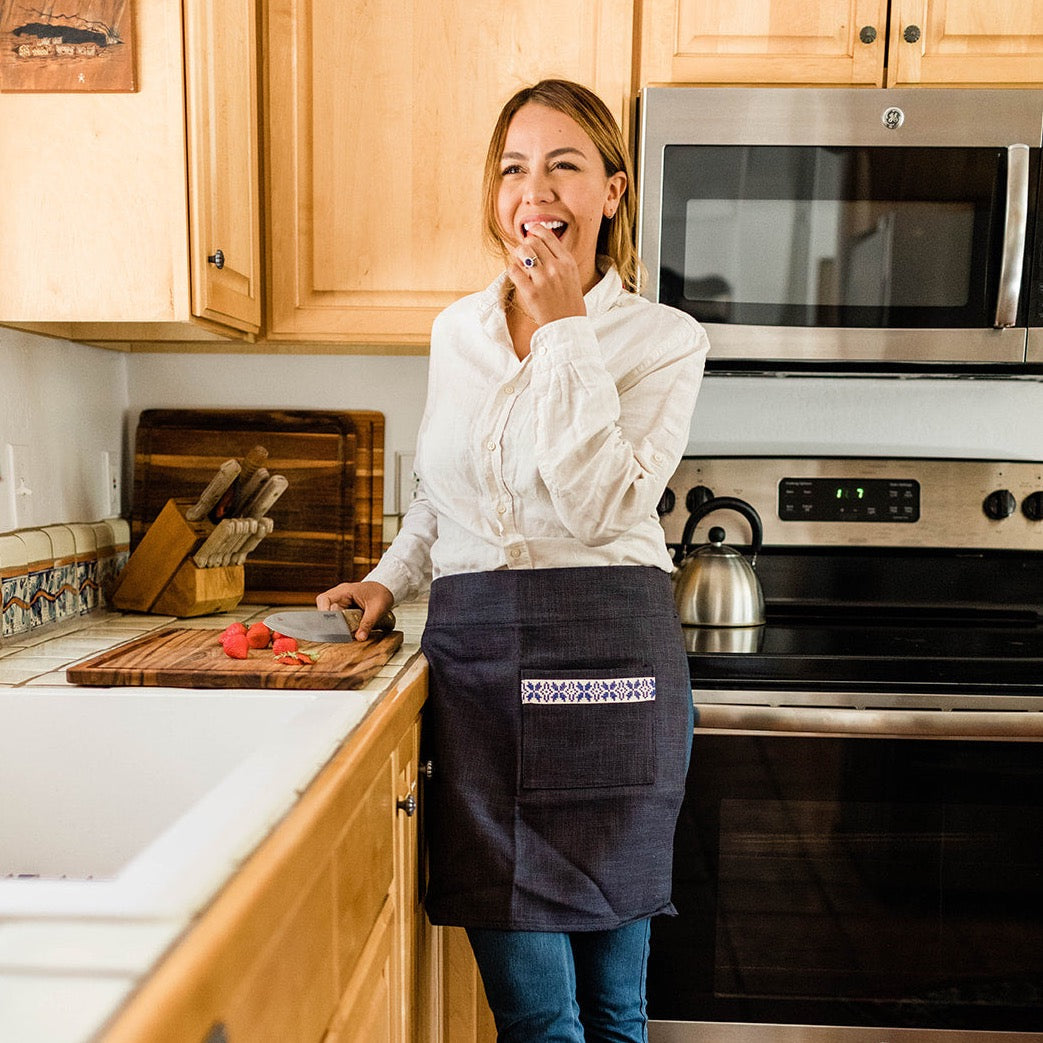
{"points": [[328, 523]]}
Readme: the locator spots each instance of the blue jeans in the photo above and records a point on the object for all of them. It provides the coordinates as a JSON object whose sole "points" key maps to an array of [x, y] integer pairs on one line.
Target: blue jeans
{"points": [[554, 987]]}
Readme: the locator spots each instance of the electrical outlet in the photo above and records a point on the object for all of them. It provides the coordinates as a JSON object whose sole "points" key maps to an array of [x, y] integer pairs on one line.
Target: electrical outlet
{"points": [[405, 481], [20, 478], [112, 493]]}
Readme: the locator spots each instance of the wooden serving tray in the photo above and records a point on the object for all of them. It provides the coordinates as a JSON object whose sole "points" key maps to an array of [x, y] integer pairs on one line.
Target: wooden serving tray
{"points": [[179, 657]]}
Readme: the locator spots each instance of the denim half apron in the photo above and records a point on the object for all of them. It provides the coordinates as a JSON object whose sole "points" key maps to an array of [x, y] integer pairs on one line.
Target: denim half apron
{"points": [[558, 727]]}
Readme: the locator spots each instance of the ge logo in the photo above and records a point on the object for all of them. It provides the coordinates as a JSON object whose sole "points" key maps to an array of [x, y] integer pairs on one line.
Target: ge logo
{"points": [[893, 118]]}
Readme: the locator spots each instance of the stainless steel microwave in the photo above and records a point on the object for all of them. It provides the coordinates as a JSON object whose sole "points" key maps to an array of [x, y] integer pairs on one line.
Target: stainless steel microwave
{"points": [[848, 228]]}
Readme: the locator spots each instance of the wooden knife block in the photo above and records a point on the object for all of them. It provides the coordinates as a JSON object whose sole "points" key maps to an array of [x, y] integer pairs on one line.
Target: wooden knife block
{"points": [[161, 577]]}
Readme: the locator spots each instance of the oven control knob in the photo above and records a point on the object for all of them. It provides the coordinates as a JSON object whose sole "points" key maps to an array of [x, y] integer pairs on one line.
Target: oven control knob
{"points": [[696, 497], [999, 504], [666, 502], [1032, 506]]}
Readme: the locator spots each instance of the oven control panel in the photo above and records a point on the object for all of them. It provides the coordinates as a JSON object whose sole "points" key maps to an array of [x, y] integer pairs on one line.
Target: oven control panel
{"points": [[864, 501]]}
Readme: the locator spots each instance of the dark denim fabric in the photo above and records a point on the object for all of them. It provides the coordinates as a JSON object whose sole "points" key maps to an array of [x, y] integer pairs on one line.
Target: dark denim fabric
{"points": [[554, 815], [552, 987]]}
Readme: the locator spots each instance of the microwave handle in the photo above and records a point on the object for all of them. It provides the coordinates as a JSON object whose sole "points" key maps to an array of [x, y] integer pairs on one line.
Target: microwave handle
{"points": [[1013, 236], [885, 723]]}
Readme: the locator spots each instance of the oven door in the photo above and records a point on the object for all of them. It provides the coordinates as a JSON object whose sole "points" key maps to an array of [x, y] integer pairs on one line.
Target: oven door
{"points": [[855, 875], [801, 237]]}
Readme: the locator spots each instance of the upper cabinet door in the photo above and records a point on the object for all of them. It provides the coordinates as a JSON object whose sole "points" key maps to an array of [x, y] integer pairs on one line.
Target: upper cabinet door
{"points": [[995, 42], [379, 118], [763, 42], [221, 56]]}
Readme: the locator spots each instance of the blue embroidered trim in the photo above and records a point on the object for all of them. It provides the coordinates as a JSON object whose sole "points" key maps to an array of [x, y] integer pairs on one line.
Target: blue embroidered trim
{"points": [[588, 690]]}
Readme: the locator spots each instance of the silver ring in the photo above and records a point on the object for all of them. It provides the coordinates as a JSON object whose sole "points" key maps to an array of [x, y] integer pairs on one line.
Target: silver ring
{"points": [[529, 262]]}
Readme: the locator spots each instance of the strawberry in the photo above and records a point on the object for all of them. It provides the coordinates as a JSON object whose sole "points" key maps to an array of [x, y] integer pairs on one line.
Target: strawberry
{"points": [[236, 646], [232, 628], [297, 657], [283, 644], [258, 636]]}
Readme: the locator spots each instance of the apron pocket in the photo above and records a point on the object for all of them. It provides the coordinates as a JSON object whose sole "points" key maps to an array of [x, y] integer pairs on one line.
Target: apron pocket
{"points": [[587, 728]]}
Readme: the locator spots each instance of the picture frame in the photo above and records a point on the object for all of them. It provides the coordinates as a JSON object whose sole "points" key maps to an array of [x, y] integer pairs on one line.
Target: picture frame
{"points": [[70, 46]]}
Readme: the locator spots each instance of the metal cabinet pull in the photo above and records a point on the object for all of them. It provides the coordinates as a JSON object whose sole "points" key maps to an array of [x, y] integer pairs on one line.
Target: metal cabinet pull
{"points": [[911, 33], [408, 805], [867, 34], [427, 769], [217, 259], [217, 1034]]}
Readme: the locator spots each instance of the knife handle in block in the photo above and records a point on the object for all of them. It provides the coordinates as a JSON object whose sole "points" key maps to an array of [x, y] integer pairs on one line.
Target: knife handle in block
{"points": [[219, 484]]}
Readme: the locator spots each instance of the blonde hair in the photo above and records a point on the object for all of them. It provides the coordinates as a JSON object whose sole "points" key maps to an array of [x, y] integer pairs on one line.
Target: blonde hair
{"points": [[616, 237]]}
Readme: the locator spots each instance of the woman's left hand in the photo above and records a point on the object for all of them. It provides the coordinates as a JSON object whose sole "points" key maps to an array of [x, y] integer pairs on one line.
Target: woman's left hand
{"points": [[551, 288]]}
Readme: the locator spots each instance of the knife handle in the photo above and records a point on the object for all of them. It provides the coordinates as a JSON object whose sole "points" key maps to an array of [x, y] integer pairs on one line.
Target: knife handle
{"points": [[262, 503], [225, 476], [252, 463], [264, 528]]}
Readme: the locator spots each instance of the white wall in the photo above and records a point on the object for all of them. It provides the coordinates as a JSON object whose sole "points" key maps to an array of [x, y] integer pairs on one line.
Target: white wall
{"points": [[65, 403], [70, 403]]}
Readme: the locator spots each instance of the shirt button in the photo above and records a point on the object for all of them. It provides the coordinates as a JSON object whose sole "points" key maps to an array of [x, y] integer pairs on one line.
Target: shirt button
{"points": [[509, 389], [491, 446], [657, 457], [515, 552], [501, 508]]}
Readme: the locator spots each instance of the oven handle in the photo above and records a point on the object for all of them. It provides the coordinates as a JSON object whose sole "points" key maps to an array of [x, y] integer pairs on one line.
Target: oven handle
{"points": [[929, 724], [1013, 236]]}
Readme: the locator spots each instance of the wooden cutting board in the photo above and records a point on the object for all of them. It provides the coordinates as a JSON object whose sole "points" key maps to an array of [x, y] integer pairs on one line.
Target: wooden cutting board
{"points": [[179, 657], [329, 524]]}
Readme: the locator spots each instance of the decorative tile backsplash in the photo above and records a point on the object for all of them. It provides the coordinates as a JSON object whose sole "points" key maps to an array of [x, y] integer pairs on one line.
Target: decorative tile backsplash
{"points": [[58, 571]]}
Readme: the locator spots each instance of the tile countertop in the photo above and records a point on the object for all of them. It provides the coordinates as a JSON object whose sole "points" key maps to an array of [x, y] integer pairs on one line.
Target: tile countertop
{"points": [[61, 979]]}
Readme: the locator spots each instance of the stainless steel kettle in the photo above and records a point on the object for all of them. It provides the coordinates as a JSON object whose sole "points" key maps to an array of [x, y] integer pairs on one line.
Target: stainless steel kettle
{"points": [[715, 585]]}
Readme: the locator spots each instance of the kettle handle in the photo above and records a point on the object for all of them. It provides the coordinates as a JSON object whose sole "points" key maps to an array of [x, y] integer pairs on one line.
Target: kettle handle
{"points": [[718, 503]]}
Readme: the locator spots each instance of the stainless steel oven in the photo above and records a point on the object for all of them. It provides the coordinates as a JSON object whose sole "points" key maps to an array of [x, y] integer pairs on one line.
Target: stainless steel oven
{"points": [[850, 228], [859, 856]]}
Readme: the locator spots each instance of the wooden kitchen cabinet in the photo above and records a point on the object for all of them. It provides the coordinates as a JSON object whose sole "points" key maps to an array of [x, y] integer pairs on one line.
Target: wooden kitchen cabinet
{"points": [[842, 42], [100, 190], [378, 121], [317, 938]]}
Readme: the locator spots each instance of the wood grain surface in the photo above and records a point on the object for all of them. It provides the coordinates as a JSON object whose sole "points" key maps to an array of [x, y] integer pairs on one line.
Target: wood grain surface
{"points": [[328, 523], [179, 657]]}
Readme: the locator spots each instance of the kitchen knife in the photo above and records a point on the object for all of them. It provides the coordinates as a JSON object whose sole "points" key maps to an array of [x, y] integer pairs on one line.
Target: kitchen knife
{"points": [[250, 487], [219, 484], [264, 528], [244, 485], [266, 496], [316, 625], [213, 545]]}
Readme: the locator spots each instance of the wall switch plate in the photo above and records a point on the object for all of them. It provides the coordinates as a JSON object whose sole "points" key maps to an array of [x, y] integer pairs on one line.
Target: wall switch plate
{"points": [[405, 481], [112, 493], [20, 485]]}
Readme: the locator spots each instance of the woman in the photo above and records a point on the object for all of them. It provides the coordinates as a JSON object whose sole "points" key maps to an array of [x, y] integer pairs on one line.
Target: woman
{"points": [[559, 718]]}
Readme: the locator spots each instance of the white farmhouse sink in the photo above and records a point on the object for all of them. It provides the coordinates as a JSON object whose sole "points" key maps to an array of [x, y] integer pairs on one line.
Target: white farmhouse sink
{"points": [[140, 803]]}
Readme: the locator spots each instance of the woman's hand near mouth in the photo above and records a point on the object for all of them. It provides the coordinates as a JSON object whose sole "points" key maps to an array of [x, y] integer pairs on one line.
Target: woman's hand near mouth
{"points": [[552, 288]]}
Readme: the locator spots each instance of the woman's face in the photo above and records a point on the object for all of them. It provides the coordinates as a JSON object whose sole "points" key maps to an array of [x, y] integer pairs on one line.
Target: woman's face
{"points": [[552, 173]]}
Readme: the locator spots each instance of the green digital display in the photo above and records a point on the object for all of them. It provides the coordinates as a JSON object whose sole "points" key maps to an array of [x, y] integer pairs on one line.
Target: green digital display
{"points": [[849, 500]]}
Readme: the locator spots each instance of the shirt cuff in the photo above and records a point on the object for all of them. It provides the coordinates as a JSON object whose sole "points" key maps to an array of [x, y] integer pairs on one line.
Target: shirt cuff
{"points": [[572, 338]]}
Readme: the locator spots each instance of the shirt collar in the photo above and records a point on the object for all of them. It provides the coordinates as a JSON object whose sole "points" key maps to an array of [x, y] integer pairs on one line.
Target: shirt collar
{"points": [[598, 299]]}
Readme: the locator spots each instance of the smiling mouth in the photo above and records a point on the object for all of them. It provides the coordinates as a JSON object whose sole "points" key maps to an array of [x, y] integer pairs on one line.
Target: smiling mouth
{"points": [[557, 227]]}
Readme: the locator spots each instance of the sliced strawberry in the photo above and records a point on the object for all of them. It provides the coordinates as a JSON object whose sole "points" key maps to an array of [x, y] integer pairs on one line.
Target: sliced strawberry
{"points": [[284, 644]]}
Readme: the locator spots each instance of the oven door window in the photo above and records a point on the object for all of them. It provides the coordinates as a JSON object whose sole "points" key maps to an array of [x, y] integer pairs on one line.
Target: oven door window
{"points": [[834, 237], [856, 882]]}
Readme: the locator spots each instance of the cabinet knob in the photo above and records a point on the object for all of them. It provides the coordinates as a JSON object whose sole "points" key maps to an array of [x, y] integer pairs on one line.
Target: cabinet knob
{"points": [[427, 769], [217, 259], [217, 1034], [911, 33], [408, 805], [867, 34]]}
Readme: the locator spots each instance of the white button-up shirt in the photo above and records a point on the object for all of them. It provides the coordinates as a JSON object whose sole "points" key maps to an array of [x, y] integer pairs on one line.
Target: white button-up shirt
{"points": [[555, 460]]}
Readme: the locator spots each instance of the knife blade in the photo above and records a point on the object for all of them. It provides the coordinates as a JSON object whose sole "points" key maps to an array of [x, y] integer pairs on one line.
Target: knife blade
{"points": [[318, 625], [311, 625], [226, 474]]}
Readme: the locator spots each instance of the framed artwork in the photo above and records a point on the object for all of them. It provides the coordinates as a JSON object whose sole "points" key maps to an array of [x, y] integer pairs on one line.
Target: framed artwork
{"points": [[66, 45]]}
